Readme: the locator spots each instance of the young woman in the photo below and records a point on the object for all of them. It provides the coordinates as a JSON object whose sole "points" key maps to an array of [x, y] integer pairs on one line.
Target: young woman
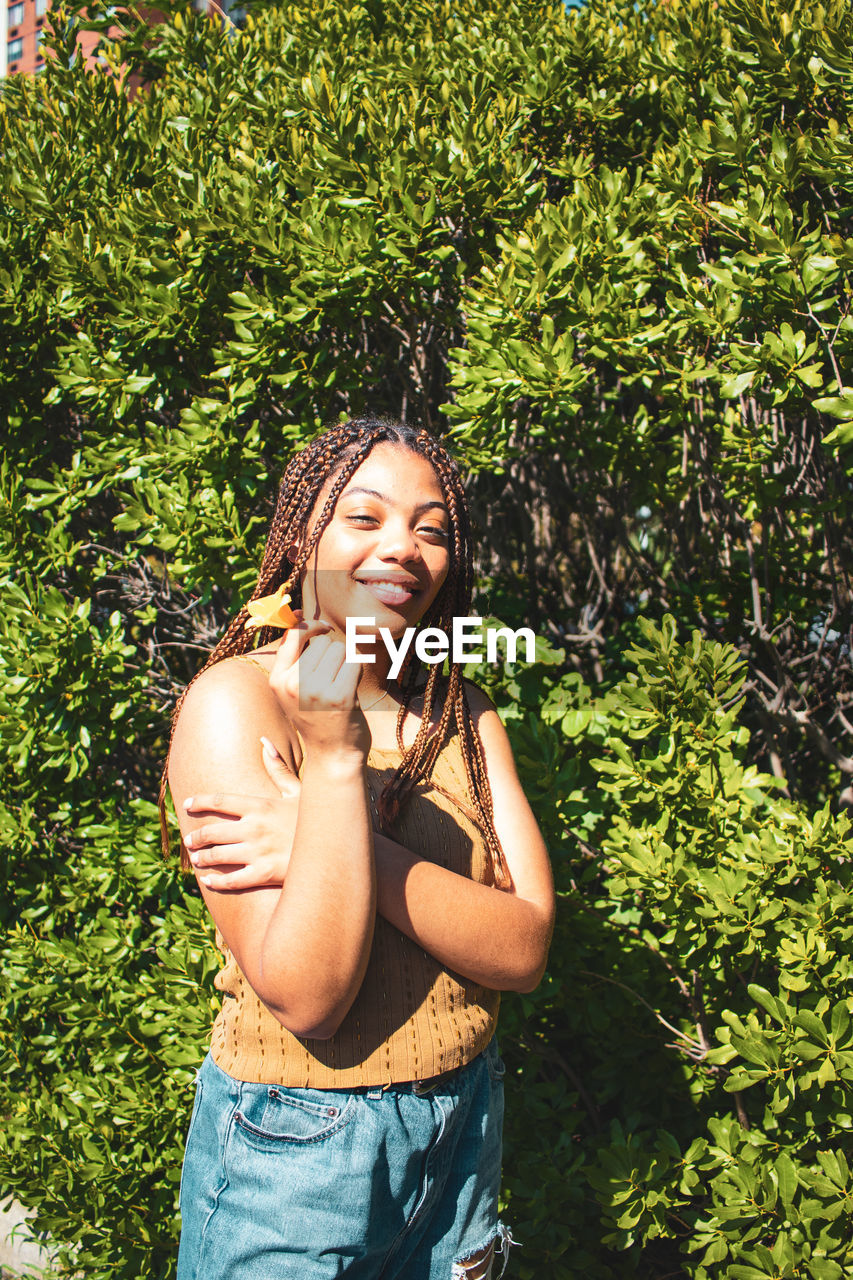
{"points": [[376, 878]]}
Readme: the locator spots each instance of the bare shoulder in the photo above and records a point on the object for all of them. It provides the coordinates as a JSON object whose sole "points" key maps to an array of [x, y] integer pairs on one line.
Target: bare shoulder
{"points": [[229, 689], [489, 726], [478, 700], [226, 711]]}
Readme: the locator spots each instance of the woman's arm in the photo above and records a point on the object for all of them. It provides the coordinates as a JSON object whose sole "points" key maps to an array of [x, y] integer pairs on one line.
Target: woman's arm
{"points": [[304, 945], [498, 938]]}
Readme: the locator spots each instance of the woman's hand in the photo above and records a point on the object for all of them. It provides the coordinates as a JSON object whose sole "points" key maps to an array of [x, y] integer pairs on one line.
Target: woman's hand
{"points": [[252, 836], [316, 687]]}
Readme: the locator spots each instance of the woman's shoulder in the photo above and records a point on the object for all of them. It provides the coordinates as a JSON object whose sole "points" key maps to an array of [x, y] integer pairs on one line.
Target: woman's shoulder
{"points": [[232, 699], [490, 728], [483, 710], [244, 677]]}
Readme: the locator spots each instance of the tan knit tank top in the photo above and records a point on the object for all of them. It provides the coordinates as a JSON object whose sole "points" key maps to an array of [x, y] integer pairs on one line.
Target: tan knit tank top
{"points": [[412, 1019]]}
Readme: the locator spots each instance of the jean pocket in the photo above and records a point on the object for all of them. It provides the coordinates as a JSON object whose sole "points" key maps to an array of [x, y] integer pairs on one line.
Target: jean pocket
{"points": [[273, 1113]]}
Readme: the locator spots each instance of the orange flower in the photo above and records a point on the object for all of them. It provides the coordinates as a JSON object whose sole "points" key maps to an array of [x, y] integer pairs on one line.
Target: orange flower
{"points": [[271, 611]]}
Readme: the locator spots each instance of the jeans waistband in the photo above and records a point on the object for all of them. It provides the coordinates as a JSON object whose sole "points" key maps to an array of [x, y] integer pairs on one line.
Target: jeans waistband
{"points": [[420, 1088]]}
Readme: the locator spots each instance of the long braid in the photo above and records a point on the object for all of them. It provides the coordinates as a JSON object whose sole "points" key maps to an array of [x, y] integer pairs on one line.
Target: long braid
{"points": [[338, 453], [419, 760]]}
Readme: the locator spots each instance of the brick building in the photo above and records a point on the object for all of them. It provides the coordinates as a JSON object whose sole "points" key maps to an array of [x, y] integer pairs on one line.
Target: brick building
{"points": [[22, 21]]}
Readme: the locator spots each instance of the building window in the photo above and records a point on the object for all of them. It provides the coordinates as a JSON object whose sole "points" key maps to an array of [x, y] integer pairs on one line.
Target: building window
{"points": [[14, 50], [42, 7], [16, 15]]}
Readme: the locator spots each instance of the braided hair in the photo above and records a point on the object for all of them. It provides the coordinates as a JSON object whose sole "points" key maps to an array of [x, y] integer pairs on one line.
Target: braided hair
{"points": [[336, 455]]}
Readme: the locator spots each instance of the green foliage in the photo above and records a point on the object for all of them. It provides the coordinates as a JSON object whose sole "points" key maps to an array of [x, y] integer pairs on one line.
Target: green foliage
{"points": [[698, 1029], [607, 252]]}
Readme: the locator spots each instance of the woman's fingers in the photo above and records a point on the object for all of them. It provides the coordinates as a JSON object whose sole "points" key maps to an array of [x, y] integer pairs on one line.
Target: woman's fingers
{"points": [[214, 833], [251, 828], [218, 855], [319, 680], [292, 658], [294, 643], [248, 877], [317, 689], [324, 671], [325, 676], [280, 774]]}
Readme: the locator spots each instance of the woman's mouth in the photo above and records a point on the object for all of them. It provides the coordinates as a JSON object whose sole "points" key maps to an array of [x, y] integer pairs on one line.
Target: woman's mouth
{"points": [[386, 591]]}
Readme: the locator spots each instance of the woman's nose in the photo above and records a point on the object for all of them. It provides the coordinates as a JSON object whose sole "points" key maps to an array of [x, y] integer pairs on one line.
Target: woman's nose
{"points": [[398, 542]]}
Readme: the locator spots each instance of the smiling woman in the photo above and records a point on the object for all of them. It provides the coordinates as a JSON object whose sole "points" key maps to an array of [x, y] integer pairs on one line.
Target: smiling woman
{"points": [[385, 548], [376, 880]]}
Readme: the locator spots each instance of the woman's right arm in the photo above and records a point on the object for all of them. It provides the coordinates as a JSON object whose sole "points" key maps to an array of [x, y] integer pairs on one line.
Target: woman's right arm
{"points": [[303, 946]]}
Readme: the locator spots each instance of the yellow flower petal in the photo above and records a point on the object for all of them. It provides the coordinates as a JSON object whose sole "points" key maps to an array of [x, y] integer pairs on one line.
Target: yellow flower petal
{"points": [[271, 611]]}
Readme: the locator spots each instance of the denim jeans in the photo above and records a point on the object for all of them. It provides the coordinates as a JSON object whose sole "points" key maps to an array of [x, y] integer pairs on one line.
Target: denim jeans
{"points": [[394, 1183]]}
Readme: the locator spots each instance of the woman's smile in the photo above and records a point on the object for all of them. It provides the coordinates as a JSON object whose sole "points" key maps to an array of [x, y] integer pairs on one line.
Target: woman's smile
{"points": [[388, 535], [388, 588]]}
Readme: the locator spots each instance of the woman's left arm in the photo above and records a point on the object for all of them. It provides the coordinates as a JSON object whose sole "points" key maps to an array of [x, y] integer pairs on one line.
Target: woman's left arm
{"points": [[496, 937], [499, 938]]}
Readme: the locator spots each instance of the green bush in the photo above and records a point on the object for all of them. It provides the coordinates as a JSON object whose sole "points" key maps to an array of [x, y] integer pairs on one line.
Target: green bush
{"points": [[693, 1044], [607, 253]]}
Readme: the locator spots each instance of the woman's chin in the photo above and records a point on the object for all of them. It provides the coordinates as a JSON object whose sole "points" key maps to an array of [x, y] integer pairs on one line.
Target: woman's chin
{"points": [[391, 618]]}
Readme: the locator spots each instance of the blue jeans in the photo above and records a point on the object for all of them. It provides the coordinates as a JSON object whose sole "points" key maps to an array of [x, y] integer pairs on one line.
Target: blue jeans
{"points": [[399, 1183]]}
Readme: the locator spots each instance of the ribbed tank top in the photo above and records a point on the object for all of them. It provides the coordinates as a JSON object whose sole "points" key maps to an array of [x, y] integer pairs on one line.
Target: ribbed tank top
{"points": [[412, 1019]]}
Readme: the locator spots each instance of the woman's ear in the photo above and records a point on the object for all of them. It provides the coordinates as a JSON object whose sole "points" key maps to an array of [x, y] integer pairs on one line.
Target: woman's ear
{"points": [[293, 551]]}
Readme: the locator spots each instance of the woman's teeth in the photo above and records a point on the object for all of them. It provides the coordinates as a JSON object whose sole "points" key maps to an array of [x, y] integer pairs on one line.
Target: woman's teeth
{"points": [[389, 592]]}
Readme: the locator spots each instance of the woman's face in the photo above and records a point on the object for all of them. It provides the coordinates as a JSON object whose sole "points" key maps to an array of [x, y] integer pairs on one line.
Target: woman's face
{"points": [[386, 550]]}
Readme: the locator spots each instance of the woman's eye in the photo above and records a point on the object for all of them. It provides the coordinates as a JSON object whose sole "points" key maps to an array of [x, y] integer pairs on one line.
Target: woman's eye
{"points": [[429, 531]]}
